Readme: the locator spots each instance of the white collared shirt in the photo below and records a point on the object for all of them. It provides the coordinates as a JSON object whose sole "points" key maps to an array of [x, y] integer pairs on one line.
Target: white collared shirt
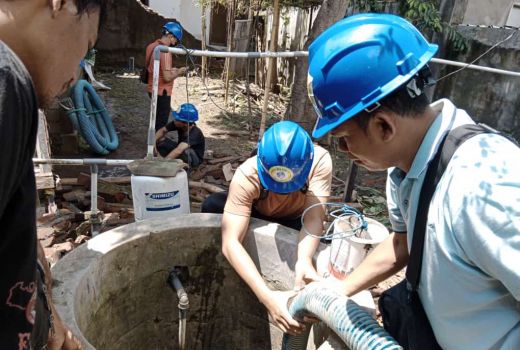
{"points": [[470, 277]]}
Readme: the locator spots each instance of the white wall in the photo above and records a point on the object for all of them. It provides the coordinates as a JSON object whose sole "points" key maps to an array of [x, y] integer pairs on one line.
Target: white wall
{"points": [[485, 12], [514, 16], [185, 12]]}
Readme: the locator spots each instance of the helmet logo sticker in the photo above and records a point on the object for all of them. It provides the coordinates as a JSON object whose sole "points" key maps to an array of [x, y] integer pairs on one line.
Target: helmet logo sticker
{"points": [[281, 174]]}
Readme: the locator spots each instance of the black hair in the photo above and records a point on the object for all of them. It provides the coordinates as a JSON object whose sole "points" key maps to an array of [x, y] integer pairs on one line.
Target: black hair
{"points": [[85, 6], [401, 102]]}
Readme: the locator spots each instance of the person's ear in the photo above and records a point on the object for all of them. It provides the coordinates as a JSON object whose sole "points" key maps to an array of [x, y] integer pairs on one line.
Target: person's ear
{"points": [[56, 6], [384, 125], [59, 5]]}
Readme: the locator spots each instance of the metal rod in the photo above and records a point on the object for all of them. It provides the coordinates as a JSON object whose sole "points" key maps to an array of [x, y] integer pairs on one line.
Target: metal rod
{"points": [[93, 188], [94, 215], [153, 106], [223, 54], [86, 161], [475, 67], [267, 54]]}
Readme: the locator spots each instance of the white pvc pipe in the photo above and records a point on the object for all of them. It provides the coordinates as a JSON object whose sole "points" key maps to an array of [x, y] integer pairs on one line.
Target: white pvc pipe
{"points": [[223, 54], [267, 54], [476, 67], [93, 188], [86, 161], [153, 107]]}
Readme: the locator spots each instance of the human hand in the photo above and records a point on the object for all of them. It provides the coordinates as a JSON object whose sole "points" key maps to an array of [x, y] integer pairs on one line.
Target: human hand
{"points": [[181, 70], [276, 305], [305, 273], [62, 338], [331, 283]]}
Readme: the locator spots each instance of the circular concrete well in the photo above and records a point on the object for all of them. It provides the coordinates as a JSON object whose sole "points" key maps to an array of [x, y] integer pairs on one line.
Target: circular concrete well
{"points": [[112, 291]]}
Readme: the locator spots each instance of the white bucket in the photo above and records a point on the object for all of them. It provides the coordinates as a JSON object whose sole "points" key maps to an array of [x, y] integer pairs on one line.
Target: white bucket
{"points": [[347, 253], [160, 196]]}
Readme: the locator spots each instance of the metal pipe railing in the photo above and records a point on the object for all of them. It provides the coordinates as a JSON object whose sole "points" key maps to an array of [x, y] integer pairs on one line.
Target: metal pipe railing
{"points": [[287, 54], [266, 54], [84, 161], [93, 215]]}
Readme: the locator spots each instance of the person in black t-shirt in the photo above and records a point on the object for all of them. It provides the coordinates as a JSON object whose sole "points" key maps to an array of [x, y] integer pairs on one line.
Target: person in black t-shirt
{"points": [[190, 143], [41, 45]]}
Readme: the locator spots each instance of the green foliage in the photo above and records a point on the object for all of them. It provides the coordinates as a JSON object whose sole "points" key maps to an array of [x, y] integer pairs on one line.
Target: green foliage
{"points": [[424, 14], [458, 42]]}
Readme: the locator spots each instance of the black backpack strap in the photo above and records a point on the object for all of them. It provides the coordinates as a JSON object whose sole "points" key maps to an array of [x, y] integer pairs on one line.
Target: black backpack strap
{"points": [[447, 148]]}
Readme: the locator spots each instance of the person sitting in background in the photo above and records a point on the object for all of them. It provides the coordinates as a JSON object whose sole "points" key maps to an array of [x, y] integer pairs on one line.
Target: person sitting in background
{"points": [[190, 142]]}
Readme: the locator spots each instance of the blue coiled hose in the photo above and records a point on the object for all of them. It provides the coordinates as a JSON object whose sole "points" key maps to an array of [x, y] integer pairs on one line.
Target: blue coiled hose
{"points": [[356, 327], [91, 119]]}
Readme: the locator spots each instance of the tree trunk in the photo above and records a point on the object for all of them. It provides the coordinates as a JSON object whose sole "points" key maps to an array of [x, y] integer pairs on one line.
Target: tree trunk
{"points": [[270, 65], [300, 109], [203, 40], [227, 65]]}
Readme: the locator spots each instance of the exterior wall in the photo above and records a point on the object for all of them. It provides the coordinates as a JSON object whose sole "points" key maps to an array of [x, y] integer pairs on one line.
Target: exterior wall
{"points": [[487, 97], [186, 12], [487, 12], [128, 27]]}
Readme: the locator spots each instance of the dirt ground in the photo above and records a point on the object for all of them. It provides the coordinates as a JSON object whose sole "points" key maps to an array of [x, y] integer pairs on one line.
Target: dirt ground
{"points": [[229, 130]]}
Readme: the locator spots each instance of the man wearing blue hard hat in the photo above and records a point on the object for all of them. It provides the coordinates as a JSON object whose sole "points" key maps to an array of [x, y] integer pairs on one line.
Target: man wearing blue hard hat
{"points": [[287, 176], [171, 36], [190, 142], [367, 75]]}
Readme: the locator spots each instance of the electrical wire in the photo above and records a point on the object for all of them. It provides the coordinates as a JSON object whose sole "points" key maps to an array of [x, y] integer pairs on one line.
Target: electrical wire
{"points": [[195, 66], [341, 213], [476, 59]]}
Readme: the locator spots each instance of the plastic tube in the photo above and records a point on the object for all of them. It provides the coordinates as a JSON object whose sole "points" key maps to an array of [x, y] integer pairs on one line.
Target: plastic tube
{"points": [[92, 120], [348, 320]]}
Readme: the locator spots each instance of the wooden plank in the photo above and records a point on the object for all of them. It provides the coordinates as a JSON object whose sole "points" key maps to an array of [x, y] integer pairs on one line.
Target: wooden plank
{"points": [[117, 206], [43, 148], [69, 181], [227, 169], [208, 187], [222, 160], [117, 180], [44, 181]]}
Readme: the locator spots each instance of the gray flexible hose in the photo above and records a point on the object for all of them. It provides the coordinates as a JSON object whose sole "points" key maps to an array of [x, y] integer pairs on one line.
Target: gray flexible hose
{"points": [[356, 327]]}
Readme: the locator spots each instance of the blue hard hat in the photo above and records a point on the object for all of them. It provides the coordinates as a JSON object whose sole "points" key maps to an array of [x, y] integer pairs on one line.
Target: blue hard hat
{"points": [[174, 29], [186, 113], [358, 61], [284, 157]]}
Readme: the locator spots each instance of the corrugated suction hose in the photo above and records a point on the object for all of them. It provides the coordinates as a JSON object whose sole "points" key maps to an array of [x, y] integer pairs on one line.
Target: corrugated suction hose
{"points": [[356, 327], [90, 117]]}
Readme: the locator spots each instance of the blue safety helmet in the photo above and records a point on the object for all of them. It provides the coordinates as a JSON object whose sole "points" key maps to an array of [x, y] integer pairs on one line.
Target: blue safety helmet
{"points": [[174, 29], [358, 61], [284, 158], [186, 113]]}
